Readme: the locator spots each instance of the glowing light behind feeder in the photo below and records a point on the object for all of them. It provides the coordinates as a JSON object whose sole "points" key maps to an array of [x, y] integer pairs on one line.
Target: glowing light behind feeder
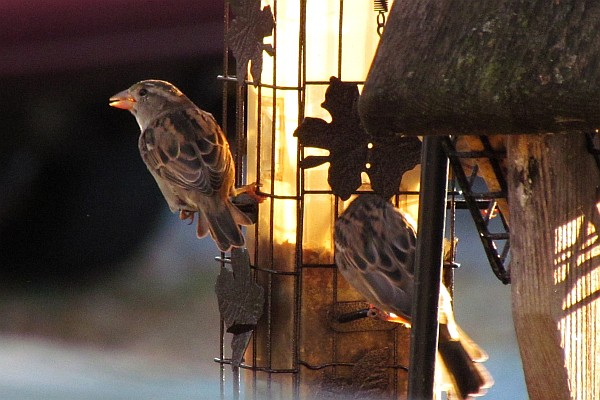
{"points": [[291, 246], [293, 85]]}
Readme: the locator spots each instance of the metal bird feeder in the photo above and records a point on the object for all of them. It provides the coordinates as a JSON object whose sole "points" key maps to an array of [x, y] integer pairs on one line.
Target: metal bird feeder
{"points": [[309, 59], [299, 69], [421, 83]]}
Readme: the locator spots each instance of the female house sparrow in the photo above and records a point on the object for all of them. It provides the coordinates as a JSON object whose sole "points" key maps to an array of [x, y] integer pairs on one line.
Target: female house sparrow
{"points": [[375, 251], [187, 153]]}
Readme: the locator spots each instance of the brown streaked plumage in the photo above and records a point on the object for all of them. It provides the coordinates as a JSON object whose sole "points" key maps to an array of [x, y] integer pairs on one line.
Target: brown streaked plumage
{"points": [[375, 251], [187, 153]]}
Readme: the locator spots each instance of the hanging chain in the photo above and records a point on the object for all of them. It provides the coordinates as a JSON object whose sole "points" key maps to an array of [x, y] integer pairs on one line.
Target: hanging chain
{"points": [[380, 22], [381, 6]]}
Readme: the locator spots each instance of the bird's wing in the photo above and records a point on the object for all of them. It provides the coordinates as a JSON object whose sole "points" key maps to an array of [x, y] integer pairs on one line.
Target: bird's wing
{"points": [[375, 250], [188, 149], [377, 260]]}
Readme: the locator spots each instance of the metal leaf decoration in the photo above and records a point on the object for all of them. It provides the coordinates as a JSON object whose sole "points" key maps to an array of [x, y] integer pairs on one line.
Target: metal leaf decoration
{"points": [[240, 301], [245, 36], [351, 148], [239, 342]]}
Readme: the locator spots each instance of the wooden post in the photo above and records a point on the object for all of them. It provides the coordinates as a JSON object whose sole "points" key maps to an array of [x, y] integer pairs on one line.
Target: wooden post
{"points": [[555, 267]]}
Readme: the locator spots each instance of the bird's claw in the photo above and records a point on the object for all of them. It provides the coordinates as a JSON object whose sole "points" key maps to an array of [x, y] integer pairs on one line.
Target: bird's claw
{"points": [[252, 190], [184, 215], [376, 313]]}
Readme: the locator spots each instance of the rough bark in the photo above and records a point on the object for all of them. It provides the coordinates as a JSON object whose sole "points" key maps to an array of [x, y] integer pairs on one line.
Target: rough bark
{"points": [[555, 268], [490, 66]]}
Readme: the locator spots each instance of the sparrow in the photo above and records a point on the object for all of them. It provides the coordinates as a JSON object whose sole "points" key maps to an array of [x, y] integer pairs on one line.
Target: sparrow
{"points": [[375, 247], [188, 155]]}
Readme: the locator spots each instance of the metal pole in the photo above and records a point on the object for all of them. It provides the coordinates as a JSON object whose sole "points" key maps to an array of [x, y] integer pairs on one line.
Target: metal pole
{"points": [[428, 269]]}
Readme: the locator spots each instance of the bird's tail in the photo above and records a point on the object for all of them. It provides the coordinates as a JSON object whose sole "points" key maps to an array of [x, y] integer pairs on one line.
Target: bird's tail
{"points": [[461, 357], [222, 221], [466, 375]]}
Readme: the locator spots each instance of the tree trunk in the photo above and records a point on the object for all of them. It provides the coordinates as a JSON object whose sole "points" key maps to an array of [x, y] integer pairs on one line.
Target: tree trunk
{"points": [[555, 269]]}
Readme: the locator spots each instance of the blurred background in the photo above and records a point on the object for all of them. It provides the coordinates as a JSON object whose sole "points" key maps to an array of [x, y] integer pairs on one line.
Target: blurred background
{"points": [[104, 294]]}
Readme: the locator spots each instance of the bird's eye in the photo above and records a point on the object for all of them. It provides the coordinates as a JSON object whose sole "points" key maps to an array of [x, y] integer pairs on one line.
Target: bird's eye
{"points": [[143, 92]]}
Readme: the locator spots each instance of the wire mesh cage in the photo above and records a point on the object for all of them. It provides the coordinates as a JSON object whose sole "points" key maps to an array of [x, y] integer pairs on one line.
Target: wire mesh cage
{"points": [[300, 349]]}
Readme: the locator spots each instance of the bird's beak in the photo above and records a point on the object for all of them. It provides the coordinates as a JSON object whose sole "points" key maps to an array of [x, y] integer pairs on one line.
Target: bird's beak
{"points": [[122, 100]]}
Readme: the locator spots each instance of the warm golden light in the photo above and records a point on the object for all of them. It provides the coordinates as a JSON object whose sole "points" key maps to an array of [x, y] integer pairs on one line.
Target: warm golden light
{"points": [[291, 246], [576, 245], [279, 98], [409, 204], [573, 246]]}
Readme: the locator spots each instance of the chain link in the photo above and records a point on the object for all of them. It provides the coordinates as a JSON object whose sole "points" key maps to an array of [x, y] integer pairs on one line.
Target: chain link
{"points": [[380, 22]]}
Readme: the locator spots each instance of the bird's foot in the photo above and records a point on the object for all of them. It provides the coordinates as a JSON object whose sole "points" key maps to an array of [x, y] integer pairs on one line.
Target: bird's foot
{"points": [[376, 313], [185, 215], [252, 190]]}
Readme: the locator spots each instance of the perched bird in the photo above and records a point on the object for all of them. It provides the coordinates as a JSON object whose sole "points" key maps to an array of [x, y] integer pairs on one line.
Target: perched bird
{"points": [[187, 153], [375, 251]]}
